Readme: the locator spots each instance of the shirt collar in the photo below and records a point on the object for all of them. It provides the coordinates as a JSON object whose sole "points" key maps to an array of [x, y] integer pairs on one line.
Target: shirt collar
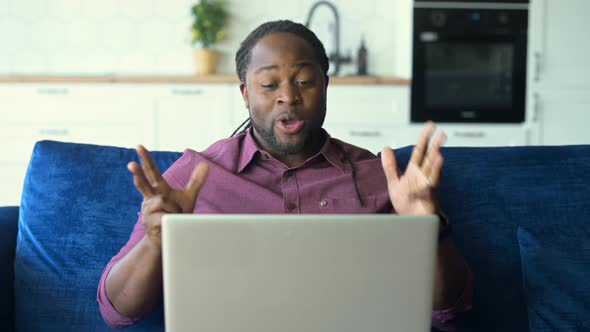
{"points": [[248, 150], [331, 150]]}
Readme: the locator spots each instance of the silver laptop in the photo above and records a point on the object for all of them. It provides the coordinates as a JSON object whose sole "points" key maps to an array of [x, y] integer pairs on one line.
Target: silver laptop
{"points": [[263, 273]]}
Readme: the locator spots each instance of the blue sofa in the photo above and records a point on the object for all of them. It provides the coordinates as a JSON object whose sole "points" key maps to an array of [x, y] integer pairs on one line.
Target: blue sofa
{"points": [[520, 216]]}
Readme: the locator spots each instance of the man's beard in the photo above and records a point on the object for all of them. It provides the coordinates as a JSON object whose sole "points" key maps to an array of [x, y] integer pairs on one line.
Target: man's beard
{"points": [[279, 147]]}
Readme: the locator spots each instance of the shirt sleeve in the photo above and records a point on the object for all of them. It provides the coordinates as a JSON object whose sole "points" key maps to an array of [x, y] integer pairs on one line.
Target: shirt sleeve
{"points": [[176, 176], [110, 315], [449, 319]]}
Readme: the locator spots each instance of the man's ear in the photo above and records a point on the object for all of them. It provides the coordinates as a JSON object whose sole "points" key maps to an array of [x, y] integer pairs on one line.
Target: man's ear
{"points": [[244, 91]]}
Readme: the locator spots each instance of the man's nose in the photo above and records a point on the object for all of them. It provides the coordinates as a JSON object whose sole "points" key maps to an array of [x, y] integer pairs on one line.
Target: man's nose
{"points": [[289, 94]]}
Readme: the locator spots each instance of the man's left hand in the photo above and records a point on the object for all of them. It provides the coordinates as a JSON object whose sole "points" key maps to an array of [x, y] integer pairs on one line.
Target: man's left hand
{"points": [[414, 191]]}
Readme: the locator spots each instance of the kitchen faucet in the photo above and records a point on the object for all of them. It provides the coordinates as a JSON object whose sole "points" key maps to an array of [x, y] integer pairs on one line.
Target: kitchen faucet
{"points": [[335, 56]]}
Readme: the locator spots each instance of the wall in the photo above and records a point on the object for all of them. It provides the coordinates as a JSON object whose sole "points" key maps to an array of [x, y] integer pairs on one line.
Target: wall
{"points": [[151, 37]]}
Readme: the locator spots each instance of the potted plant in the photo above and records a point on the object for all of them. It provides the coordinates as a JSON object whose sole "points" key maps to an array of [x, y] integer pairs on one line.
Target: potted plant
{"points": [[209, 19]]}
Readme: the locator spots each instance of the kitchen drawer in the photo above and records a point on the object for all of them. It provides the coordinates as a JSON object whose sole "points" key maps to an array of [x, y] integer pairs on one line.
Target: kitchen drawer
{"points": [[192, 117], [368, 137], [367, 105], [17, 141], [44, 111], [466, 135], [484, 135]]}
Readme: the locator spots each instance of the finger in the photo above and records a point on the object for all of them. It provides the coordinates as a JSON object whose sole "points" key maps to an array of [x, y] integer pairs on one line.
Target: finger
{"points": [[389, 164], [139, 180], [197, 180], [435, 173], [159, 204], [422, 144], [433, 153], [151, 171]]}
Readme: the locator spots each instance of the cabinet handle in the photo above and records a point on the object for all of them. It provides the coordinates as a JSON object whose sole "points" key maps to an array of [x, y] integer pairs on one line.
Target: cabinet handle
{"points": [[53, 91], [535, 107], [537, 68], [359, 133], [187, 92], [470, 134], [53, 132]]}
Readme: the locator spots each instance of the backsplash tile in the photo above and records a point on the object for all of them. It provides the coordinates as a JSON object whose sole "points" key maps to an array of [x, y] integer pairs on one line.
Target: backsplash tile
{"points": [[151, 37]]}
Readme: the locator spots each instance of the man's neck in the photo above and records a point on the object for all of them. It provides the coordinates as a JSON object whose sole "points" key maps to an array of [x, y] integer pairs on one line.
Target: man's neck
{"points": [[295, 160]]}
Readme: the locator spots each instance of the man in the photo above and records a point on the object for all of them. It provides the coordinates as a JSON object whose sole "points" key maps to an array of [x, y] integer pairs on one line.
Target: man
{"points": [[283, 162]]}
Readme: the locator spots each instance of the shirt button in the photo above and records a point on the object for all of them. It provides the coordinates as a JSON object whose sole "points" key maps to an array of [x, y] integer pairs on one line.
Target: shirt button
{"points": [[291, 206], [323, 202]]}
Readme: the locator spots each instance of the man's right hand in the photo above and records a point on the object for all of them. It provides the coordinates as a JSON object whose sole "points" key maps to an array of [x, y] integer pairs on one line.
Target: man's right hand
{"points": [[159, 198]]}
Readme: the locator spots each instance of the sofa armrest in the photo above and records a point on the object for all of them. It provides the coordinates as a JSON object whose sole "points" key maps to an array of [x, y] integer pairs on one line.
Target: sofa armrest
{"points": [[8, 231]]}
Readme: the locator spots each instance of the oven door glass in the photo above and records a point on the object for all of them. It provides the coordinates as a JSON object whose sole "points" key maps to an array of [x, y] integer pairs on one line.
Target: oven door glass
{"points": [[467, 78], [476, 76]]}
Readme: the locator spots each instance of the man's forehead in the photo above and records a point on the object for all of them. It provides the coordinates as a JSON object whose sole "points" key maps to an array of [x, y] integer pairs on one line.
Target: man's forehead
{"points": [[282, 51], [270, 67]]}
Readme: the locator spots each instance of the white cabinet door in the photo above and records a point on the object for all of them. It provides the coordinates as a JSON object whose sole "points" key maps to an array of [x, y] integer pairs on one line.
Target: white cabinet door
{"points": [[192, 116], [372, 138], [366, 115], [559, 43], [564, 117], [367, 105], [485, 135], [557, 102], [468, 135], [81, 114]]}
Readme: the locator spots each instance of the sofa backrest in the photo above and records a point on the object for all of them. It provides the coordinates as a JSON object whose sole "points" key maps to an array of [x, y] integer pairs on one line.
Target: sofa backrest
{"points": [[79, 206], [488, 193]]}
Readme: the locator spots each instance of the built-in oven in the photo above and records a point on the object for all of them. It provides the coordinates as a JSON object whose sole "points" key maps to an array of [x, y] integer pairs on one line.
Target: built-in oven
{"points": [[469, 61]]}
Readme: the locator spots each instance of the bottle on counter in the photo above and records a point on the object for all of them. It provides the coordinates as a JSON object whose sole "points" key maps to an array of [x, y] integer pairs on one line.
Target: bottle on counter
{"points": [[361, 60]]}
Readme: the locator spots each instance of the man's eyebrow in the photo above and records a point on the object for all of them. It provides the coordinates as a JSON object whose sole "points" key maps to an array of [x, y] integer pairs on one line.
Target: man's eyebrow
{"points": [[303, 64], [269, 67], [275, 67]]}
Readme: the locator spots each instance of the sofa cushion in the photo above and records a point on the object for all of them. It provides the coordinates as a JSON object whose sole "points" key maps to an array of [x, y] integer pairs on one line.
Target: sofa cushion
{"points": [[556, 270], [78, 208], [8, 229], [488, 193]]}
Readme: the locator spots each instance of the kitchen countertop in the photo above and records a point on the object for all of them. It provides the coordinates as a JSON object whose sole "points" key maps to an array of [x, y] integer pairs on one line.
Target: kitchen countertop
{"points": [[222, 78]]}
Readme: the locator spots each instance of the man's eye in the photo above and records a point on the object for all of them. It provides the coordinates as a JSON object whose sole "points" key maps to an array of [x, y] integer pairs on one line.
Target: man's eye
{"points": [[267, 86], [303, 83]]}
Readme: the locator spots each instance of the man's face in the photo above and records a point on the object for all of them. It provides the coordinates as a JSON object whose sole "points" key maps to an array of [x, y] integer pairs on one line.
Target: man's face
{"points": [[285, 93]]}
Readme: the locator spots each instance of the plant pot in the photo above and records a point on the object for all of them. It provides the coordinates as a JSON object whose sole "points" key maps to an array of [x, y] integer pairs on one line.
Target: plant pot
{"points": [[206, 61]]}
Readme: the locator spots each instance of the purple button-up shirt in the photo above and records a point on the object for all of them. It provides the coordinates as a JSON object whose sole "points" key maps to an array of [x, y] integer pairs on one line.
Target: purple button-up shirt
{"points": [[340, 178]]}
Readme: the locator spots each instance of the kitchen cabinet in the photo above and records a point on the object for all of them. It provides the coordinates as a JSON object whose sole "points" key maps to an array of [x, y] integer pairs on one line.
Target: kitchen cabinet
{"points": [[191, 116], [558, 40], [557, 97], [563, 116], [475, 135], [83, 114], [172, 116], [366, 116], [361, 105]]}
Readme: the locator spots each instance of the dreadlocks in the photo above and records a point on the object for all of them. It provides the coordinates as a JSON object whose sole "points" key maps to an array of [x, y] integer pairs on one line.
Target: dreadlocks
{"points": [[244, 53]]}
